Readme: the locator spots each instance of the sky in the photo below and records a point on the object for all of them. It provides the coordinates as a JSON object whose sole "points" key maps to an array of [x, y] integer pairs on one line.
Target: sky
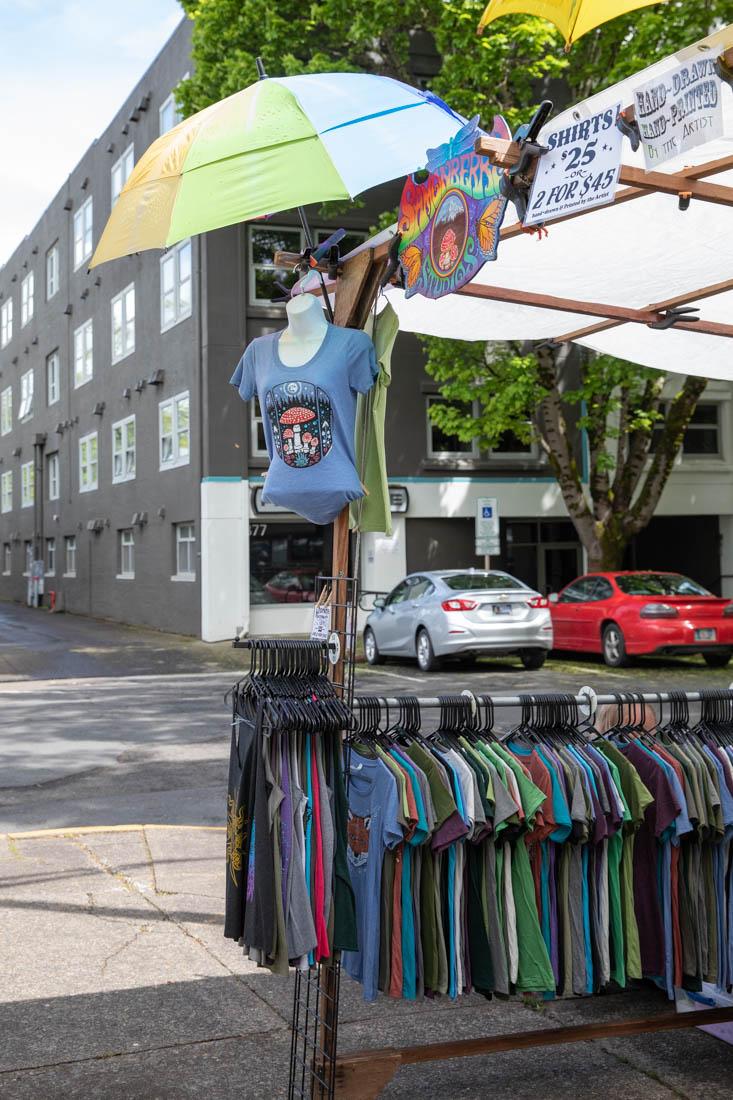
{"points": [[65, 68]]}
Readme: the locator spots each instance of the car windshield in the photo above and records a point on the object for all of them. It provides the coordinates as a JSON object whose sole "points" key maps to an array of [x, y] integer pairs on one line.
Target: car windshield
{"points": [[481, 582], [659, 584]]}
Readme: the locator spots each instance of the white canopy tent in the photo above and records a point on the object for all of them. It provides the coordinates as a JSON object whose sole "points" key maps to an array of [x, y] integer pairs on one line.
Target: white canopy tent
{"points": [[641, 253]]}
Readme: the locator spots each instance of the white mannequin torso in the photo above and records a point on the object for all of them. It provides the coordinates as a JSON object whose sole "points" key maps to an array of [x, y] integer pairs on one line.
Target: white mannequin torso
{"points": [[306, 331]]}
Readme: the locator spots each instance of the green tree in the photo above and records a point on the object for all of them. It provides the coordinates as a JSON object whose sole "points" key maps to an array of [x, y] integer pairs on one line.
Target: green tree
{"points": [[612, 493], [594, 420]]}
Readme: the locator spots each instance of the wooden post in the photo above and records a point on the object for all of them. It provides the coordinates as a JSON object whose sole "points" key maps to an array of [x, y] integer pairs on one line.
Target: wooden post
{"points": [[356, 290]]}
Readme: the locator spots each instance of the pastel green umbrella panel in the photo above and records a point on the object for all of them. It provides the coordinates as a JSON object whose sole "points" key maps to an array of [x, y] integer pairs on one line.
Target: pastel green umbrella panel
{"points": [[278, 144]]}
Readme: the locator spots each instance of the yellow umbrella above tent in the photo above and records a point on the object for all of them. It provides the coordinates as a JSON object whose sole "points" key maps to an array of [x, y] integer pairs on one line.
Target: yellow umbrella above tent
{"points": [[573, 18]]}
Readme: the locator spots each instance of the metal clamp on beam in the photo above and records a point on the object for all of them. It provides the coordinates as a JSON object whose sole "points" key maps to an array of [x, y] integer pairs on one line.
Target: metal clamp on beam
{"points": [[670, 317], [393, 271], [629, 127], [724, 70], [515, 182]]}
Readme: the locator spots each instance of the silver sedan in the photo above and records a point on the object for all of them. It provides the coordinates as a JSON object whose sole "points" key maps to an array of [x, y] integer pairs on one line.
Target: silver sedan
{"points": [[454, 612]]}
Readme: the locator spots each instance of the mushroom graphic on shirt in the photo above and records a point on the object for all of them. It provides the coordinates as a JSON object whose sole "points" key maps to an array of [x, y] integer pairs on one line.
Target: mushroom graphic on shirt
{"points": [[295, 418], [288, 441]]}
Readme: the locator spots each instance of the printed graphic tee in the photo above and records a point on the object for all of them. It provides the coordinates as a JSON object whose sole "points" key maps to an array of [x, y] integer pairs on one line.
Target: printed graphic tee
{"points": [[308, 415]]}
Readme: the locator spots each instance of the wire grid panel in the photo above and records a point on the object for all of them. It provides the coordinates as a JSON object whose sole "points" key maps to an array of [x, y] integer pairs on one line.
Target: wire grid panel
{"points": [[316, 997], [314, 1032], [344, 600]]}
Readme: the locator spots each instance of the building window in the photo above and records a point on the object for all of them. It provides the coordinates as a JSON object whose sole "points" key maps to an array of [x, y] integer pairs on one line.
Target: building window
{"points": [[257, 442], [442, 444], [52, 475], [285, 559], [175, 443], [27, 294], [121, 170], [83, 354], [702, 435], [7, 559], [70, 556], [53, 378], [185, 552], [6, 323], [263, 244], [88, 463], [83, 232], [175, 285], [6, 411], [123, 323], [123, 450], [127, 553], [6, 491], [50, 557], [27, 485], [28, 557], [25, 412], [52, 271], [168, 114], [511, 446]]}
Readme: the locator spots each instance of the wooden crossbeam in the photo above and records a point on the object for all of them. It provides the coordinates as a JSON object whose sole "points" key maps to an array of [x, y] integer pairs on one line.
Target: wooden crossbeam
{"points": [[668, 303], [620, 314], [363, 1076], [505, 154]]}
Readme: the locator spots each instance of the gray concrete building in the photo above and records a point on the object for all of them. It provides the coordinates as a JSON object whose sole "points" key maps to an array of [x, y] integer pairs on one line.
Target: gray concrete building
{"points": [[131, 469]]}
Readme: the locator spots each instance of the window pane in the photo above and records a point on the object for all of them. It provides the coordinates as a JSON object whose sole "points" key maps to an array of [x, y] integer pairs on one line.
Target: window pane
{"points": [[266, 242], [701, 441]]}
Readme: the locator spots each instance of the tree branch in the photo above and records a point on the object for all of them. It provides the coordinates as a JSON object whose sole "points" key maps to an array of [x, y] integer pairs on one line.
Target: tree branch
{"points": [[678, 417]]}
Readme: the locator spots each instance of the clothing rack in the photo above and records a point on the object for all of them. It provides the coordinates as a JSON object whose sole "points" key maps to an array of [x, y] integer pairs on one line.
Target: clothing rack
{"points": [[316, 1070], [362, 1076]]}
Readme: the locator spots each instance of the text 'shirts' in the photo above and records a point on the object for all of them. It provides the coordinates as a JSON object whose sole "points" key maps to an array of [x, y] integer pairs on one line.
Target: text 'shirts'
{"points": [[579, 170]]}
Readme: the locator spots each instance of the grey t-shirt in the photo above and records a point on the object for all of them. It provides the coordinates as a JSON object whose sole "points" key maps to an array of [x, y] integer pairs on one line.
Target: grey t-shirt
{"points": [[308, 415]]}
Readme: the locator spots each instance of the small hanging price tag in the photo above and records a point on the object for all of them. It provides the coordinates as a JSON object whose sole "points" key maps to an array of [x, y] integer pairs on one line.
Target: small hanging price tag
{"points": [[321, 623]]}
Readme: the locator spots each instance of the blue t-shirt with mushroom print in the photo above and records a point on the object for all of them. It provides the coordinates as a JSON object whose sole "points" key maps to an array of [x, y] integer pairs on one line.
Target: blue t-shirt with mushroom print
{"points": [[308, 415]]}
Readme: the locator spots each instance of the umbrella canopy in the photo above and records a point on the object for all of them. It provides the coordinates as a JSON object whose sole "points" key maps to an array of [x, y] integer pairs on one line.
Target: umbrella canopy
{"points": [[573, 18], [280, 143]]}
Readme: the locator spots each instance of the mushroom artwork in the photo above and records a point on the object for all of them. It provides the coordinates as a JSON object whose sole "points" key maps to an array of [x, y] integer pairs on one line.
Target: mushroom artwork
{"points": [[295, 418], [287, 444]]}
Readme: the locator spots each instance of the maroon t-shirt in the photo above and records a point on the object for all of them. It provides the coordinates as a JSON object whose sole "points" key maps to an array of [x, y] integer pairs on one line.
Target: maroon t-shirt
{"points": [[659, 816]]}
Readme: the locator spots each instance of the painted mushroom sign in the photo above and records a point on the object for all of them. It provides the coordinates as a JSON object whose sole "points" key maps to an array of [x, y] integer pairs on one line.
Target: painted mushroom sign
{"points": [[450, 216], [300, 418]]}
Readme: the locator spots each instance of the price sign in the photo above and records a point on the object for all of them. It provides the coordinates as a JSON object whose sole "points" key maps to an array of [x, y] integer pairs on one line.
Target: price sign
{"points": [[580, 169], [321, 623], [679, 110]]}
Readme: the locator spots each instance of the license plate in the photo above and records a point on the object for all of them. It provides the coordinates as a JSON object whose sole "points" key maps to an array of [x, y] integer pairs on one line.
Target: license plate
{"points": [[502, 609], [708, 634]]}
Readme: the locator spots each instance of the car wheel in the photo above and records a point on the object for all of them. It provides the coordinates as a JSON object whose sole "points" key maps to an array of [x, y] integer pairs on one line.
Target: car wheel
{"points": [[614, 646], [371, 649], [533, 659], [717, 660], [426, 658]]}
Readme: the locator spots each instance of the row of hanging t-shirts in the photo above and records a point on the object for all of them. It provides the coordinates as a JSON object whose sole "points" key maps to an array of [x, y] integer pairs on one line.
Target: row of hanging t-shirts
{"points": [[555, 861], [289, 900]]}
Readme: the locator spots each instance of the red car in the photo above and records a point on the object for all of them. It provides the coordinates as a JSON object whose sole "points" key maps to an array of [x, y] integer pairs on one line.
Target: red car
{"points": [[624, 615]]}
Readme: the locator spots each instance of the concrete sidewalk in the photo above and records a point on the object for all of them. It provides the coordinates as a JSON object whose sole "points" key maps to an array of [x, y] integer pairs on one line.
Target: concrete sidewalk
{"points": [[117, 983]]}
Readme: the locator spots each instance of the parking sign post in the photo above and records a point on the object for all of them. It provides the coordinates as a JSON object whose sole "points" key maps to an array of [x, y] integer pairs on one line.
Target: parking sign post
{"points": [[487, 529]]}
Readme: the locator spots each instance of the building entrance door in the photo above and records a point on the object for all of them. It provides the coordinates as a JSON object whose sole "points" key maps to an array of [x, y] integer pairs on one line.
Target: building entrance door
{"points": [[559, 564]]}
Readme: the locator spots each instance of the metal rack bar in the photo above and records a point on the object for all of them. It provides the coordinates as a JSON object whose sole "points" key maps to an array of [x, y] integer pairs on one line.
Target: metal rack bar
{"points": [[582, 698]]}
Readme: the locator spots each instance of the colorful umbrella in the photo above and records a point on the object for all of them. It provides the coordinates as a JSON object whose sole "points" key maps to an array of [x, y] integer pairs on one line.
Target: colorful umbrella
{"points": [[573, 18], [278, 144]]}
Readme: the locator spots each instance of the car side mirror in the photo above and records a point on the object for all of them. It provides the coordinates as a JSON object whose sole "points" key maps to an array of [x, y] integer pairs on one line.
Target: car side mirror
{"points": [[379, 603], [553, 597]]}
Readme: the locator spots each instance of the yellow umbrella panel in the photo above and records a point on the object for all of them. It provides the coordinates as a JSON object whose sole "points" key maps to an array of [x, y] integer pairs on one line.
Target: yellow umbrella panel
{"points": [[573, 18]]}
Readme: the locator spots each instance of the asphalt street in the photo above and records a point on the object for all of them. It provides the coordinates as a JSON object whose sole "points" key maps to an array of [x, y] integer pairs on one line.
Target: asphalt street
{"points": [[117, 981], [109, 725]]}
